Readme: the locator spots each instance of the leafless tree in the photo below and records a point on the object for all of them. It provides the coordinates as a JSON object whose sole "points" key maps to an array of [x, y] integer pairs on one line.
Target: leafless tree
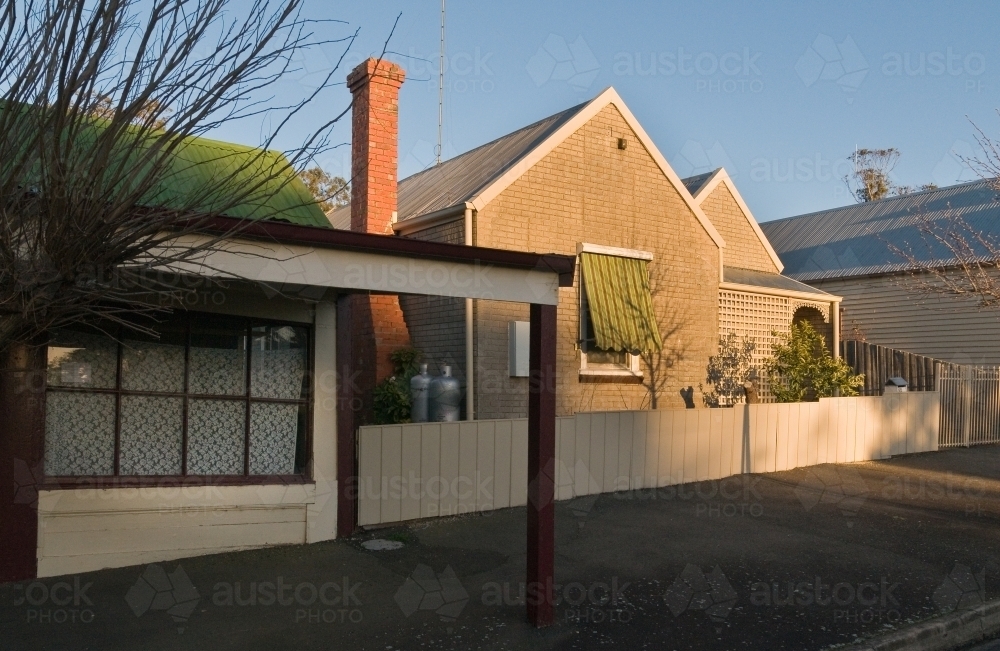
{"points": [[953, 258], [658, 365], [98, 100], [671, 322]]}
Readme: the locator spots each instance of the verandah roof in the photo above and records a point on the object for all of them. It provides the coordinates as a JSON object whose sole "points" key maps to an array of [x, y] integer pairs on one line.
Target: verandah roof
{"points": [[200, 175]]}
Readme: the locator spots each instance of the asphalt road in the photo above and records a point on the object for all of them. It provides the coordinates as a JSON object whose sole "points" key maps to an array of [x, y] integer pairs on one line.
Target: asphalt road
{"points": [[803, 559]]}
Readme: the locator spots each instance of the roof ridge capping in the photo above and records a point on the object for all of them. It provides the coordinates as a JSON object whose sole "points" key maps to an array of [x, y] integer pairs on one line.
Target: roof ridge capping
{"points": [[884, 200]]}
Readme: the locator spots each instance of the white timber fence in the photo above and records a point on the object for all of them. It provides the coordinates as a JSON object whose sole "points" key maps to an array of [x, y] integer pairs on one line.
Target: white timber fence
{"points": [[426, 470]]}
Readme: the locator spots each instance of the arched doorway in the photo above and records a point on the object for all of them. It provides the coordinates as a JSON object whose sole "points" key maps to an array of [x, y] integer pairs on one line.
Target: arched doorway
{"points": [[814, 317]]}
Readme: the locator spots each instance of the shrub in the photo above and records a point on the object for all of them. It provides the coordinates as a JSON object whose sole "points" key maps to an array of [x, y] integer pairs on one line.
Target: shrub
{"points": [[391, 398], [729, 370], [803, 369]]}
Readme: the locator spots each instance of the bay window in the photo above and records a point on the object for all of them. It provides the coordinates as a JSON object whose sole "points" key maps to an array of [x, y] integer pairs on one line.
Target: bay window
{"points": [[209, 396]]}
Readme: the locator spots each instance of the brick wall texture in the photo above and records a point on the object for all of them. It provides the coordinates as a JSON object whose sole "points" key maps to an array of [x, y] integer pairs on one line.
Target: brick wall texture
{"points": [[588, 190], [437, 323], [743, 248]]}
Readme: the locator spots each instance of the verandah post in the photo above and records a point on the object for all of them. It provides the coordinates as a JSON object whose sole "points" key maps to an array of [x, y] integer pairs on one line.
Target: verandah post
{"points": [[541, 464], [347, 472]]}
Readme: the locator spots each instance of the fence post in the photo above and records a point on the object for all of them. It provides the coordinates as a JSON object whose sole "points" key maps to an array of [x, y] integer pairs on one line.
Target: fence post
{"points": [[967, 398]]}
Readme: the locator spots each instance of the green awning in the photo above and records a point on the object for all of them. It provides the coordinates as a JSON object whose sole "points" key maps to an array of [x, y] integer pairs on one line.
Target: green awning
{"points": [[620, 303]]}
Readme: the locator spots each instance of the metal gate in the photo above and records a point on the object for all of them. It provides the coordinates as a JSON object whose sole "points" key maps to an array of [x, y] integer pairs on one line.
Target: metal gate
{"points": [[970, 405]]}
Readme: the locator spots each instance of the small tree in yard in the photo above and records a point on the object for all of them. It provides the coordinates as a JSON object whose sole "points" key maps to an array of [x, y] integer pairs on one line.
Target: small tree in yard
{"points": [[729, 371], [803, 369]]}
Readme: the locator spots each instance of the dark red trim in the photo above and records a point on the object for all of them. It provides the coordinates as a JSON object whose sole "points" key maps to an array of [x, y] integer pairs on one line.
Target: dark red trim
{"points": [[283, 233], [347, 468], [541, 464], [22, 439]]}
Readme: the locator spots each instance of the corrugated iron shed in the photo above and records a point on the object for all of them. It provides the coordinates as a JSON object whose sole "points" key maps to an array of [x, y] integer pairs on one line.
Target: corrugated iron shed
{"points": [[866, 239]]}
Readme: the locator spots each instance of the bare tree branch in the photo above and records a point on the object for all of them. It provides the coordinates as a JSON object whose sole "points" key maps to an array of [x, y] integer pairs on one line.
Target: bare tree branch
{"points": [[101, 103]]}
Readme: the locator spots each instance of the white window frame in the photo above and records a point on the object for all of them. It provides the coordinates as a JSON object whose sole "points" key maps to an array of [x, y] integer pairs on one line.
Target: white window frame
{"points": [[632, 367]]}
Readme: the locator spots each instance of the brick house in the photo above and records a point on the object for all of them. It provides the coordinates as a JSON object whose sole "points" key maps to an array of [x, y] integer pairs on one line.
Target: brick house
{"points": [[589, 181]]}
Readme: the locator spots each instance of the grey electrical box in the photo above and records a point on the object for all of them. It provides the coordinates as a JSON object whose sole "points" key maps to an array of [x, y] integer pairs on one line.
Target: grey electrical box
{"points": [[518, 343], [895, 385]]}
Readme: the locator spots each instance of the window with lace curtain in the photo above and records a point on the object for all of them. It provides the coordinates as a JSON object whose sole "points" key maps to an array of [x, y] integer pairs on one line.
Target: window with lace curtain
{"points": [[207, 396]]}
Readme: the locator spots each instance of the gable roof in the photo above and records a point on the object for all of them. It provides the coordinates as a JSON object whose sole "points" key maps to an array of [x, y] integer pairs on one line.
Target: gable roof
{"points": [[459, 180], [706, 183], [693, 183], [521, 153], [857, 240]]}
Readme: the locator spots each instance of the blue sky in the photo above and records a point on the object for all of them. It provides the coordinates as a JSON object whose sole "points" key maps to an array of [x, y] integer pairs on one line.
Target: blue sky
{"points": [[779, 95]]}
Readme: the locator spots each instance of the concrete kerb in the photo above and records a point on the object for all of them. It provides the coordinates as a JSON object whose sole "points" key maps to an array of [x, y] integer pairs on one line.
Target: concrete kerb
{"points": [[951, 631]]}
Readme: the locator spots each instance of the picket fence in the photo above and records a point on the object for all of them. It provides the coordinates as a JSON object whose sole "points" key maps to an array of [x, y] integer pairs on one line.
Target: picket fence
{"points": [[435, 469]]}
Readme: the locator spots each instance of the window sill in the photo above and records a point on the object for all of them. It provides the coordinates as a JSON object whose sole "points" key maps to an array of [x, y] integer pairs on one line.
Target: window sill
{"points": [[610, 375], [617, 372], [76, 483]]}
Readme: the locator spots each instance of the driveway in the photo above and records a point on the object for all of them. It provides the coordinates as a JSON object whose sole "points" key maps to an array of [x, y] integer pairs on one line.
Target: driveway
{"points": [[802, 559]]}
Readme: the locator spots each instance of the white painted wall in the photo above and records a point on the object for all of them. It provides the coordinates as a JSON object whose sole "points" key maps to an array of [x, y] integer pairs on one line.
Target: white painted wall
{"points": [[431, 469], [81, 530]]}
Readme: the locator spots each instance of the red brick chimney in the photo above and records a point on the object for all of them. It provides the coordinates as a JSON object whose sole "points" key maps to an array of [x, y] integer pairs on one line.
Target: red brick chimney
{"points": [[378, 325], [374, 144]]}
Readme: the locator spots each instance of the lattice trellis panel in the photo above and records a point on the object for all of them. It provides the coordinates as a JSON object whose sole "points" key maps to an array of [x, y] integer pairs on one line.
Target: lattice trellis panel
{"points": [[756, 317], [760, 317]]}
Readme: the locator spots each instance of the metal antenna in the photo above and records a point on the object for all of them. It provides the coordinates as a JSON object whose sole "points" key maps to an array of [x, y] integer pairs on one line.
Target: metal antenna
{"points": [[440, 89]]}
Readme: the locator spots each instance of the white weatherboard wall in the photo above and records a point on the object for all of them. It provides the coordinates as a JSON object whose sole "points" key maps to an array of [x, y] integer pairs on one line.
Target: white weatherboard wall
{"points": [[433, 469]]}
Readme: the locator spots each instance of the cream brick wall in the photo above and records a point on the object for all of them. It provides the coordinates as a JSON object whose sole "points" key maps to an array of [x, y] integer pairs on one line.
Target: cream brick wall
{"points": [[743, 247], [436, 323], [588, 190]]}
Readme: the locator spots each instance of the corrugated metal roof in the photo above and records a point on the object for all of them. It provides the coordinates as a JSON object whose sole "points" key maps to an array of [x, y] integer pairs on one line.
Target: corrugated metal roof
{"points": [[202, 169], [340, 218], [694, 183], [764, 279], [858, 240], [460, 179]]}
